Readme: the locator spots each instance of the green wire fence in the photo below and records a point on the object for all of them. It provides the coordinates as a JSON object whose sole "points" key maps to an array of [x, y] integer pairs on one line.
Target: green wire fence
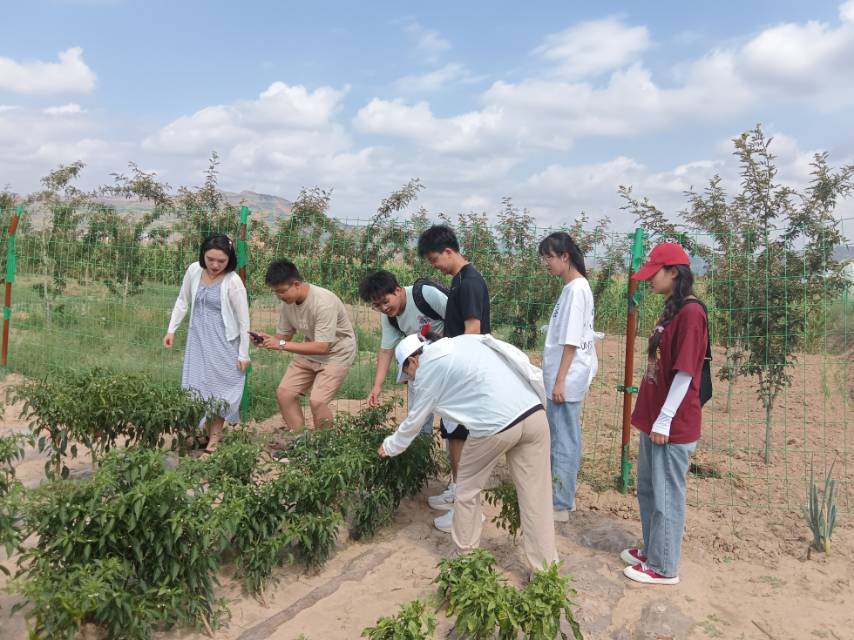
{"points": [[99, 293]]}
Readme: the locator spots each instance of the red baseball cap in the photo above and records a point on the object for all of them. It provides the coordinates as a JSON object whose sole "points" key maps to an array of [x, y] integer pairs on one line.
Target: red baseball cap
{"points": [[666, 254]]}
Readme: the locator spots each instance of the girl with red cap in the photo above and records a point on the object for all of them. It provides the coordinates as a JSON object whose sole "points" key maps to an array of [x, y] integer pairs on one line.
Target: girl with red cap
{"points": [[667, 414]]}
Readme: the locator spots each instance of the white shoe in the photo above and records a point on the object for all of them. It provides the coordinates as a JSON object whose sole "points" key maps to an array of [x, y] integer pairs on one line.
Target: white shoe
{"points": [[444, 500], [561, 516], [445, 522]]}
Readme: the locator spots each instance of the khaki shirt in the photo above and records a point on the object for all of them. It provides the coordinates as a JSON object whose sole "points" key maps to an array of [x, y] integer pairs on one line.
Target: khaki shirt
{"points": [[321, 317]]}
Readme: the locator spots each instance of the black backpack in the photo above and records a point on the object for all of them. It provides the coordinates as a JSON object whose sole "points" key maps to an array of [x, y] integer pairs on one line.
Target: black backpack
{"points": [[706, 375], [420, 302]]}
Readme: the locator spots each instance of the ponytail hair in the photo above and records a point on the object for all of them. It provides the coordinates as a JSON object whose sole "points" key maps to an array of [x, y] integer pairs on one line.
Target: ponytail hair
{"points": [[560, 243]]}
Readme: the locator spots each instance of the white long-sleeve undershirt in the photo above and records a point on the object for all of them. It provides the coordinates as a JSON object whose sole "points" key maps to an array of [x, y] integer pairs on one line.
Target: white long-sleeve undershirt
{"points": [[675, 396]]}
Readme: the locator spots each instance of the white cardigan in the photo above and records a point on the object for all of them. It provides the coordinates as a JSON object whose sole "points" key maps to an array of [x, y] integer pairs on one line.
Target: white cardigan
{"points": [[235, 306]]}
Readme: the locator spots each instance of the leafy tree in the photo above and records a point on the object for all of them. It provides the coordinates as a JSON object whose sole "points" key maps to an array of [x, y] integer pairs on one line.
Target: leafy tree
{"points": [[119, 240], [58, 244], [385, 237], [204, 210]]}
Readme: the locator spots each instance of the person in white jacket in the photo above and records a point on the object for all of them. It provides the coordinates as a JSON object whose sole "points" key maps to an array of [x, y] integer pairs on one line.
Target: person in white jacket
{"points": [[492, 388], [217, 352]]}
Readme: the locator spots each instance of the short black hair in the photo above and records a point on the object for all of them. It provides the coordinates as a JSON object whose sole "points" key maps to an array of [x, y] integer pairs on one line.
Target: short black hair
{"points": [[436, 239], [377, 285], [282, 272], [224, 244]]}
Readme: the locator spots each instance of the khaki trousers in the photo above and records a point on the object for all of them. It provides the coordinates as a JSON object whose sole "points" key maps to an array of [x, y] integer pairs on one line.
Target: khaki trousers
{"points": [[527, 447]]}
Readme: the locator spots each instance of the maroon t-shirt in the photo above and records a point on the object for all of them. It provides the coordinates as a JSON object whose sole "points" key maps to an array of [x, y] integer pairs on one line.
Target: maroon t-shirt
{"points": [[682, 348]]}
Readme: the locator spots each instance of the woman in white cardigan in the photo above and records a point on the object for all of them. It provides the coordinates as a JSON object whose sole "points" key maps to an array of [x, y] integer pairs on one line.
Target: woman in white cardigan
{"points": [[217, 353]]}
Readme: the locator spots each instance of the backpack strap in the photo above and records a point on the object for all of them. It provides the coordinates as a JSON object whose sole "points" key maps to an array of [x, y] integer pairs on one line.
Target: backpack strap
{"points": [[420, 302], [708, 335]]}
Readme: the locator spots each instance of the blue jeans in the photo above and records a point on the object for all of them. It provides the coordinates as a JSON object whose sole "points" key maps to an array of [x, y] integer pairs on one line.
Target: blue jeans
{"points": [[662, 472], [565, 428]]}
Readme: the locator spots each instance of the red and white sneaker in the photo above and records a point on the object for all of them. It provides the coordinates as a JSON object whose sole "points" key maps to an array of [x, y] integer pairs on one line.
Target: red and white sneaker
{"points": [[642, 573], [632, 556]]}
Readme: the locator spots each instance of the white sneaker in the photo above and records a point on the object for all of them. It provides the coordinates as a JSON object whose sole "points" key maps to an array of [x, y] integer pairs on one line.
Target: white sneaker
{"points": [[445, 522], [444, 500]]}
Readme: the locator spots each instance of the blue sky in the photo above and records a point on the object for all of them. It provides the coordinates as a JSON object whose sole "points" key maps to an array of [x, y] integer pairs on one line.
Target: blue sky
{"points": [[552, 103]]}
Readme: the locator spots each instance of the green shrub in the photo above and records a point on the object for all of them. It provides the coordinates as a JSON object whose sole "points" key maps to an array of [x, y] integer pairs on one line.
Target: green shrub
{"points": [[12, 450], [508, 517], [473, 592], [413, 622], [820, 512], [486, 606], [149, 541], [97, 408], [539, 606], [331, 475], [134, 530]]}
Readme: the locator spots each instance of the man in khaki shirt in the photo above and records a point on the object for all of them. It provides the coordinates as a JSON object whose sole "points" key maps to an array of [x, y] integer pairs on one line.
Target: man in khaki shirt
{"points": [[321, 361]]}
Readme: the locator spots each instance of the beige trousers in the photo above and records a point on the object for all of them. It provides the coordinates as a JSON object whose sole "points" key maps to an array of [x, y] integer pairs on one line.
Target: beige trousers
{"points": [[527, 447]]}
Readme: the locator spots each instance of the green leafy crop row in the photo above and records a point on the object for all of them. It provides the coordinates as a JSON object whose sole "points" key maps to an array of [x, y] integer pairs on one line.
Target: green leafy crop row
{"points": [[137, 547]]}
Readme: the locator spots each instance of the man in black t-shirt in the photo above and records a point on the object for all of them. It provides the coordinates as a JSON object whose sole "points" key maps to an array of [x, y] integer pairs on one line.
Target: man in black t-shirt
{"points": [[467, 311]]}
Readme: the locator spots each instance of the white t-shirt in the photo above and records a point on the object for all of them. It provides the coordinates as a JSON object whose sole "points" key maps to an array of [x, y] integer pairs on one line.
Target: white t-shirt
{"points": [[572, 324], [411, 320]]}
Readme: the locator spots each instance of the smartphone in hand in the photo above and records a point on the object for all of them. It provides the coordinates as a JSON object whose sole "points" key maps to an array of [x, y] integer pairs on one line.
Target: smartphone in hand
{"points": [[256, 337]]}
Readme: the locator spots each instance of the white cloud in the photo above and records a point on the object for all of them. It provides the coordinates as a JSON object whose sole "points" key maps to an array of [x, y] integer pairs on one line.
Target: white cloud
{"points": [[568, 100], [560, 191], [286, 138], [451, 73], [809, 61], [466, 133], [33, 142], [594, 47], [70, 75], [476, 203], [281, 116], [429, 45], [71, 108], [518, 139]]}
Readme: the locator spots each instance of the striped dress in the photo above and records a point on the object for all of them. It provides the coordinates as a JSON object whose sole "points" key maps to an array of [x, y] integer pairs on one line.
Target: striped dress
{"points": [[210, 360]]}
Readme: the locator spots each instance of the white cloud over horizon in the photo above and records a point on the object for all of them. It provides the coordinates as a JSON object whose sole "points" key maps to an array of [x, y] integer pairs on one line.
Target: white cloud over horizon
{"points": [[518, 136], [593, 47], [70, 74]]}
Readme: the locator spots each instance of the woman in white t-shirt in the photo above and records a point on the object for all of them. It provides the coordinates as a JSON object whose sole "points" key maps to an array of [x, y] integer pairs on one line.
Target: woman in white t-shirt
{"points": [[569, 364]]}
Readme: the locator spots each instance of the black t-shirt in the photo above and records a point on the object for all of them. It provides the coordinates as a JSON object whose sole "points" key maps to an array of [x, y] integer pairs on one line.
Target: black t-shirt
{"points": [[469, 298]]}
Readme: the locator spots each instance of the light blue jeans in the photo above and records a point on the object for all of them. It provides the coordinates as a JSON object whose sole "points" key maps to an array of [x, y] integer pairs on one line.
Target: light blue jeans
{"points": [[662, 472], [565, 428]]}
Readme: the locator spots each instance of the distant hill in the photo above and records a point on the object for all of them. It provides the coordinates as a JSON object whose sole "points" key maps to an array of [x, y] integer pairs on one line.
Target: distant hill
{"points": [[274, 207]]}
